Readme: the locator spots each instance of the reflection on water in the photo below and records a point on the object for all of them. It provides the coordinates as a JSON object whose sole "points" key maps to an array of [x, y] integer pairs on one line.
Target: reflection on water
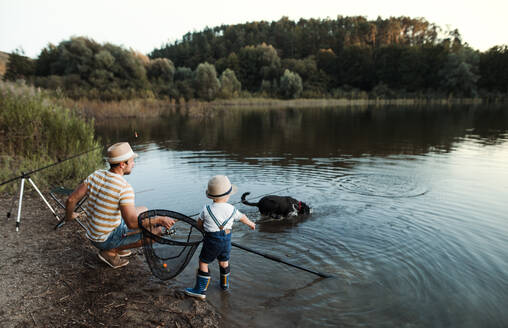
{"points": [[321, 133], [408, 211]]}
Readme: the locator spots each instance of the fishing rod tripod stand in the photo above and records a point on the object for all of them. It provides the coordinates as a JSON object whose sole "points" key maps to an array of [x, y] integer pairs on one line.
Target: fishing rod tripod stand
{"points": [[23, 178]]}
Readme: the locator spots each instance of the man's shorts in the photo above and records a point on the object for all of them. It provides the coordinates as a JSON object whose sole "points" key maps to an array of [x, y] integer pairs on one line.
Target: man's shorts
{"points": [[121, 236], [216, 245]]}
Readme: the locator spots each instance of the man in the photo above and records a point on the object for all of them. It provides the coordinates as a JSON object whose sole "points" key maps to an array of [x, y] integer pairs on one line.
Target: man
{"points": [[111, 217]]}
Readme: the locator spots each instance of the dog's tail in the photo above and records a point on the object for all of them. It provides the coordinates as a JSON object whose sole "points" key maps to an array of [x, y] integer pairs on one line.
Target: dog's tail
{"points": [[246, 202]]}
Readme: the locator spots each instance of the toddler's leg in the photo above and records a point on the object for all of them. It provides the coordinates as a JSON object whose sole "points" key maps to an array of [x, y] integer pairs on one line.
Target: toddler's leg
{"points": [[203, 266], [224, 274], [202, 282]]}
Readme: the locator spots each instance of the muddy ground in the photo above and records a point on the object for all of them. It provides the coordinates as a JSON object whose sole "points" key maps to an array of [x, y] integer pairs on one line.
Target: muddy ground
{"points": [[53, 278]]}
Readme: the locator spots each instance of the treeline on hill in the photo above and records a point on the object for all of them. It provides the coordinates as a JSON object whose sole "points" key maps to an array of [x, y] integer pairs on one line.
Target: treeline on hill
{"points": [[316, 58]]}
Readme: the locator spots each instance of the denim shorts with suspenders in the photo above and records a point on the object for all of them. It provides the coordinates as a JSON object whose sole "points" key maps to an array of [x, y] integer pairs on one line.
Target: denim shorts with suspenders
{"points": [[216, 245]]}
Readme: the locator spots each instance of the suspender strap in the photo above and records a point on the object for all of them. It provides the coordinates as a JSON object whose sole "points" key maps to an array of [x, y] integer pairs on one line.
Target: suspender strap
{"points": [[213, 216], [221, 226], [230, 217]]}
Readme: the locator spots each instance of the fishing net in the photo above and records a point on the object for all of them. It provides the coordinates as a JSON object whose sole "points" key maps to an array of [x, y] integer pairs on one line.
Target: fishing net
{"points": [[168, 252]]}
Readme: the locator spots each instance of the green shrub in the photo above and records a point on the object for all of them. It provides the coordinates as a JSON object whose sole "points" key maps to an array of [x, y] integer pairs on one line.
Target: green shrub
{"points": [[35, 133]]}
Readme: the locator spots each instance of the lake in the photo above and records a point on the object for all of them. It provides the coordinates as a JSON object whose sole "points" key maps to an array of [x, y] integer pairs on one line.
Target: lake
{"points": [[408, 214]]}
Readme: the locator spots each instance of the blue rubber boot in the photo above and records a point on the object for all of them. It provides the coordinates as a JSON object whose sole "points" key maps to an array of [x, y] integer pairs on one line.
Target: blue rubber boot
{"points": [[202, 282], [224, 278]]}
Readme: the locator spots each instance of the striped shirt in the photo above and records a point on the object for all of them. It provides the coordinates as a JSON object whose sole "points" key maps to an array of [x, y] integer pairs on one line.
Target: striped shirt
{"points": [[106, 192]]}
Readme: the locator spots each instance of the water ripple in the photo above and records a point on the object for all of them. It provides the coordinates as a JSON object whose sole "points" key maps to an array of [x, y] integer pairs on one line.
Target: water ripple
{"points": [[382, 185]]}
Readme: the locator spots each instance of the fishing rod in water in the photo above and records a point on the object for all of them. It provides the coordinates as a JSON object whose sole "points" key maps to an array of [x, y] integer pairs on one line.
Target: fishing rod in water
{"points": [[278, 259], [26, 176]]}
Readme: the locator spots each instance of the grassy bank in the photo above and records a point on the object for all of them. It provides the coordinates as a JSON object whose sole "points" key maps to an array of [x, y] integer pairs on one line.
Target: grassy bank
{"points": [[343, 102], [35, 132]]}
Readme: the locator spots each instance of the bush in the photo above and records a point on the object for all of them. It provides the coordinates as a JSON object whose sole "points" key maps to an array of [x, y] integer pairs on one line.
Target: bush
{"points": [[229, 85], [381, 90], [207, 83], [36, 132], [290, 85]]}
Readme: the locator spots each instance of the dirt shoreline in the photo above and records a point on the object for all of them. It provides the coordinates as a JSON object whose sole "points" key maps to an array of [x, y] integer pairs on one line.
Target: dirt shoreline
{"points": [[53, 278]]}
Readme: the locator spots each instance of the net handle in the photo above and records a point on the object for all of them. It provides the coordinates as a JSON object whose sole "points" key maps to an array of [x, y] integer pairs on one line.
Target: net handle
{"points": [[171, 214]]}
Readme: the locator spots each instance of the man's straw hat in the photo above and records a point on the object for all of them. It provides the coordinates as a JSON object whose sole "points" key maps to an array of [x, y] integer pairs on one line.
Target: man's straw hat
{"points": [[120, 152], [219, 186]]}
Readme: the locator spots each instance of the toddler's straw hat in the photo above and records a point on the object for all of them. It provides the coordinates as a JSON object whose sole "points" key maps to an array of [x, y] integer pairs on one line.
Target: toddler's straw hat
{"points": [[120, 152], [219, 186]]}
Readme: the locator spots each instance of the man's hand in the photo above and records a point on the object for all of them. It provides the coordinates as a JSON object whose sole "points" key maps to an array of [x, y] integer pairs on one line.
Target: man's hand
{"points": [[73, 200], [166, 221], [74, 216]]}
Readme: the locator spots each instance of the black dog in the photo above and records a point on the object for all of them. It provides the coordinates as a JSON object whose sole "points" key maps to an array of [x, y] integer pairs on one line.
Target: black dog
{"points": [[278, 206]]}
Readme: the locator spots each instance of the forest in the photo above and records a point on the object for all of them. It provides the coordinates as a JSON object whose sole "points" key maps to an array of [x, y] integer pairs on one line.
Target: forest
{"points": [[346, 57]]}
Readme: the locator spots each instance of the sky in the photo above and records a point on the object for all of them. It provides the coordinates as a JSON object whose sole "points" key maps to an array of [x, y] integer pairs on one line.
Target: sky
{"points": [[145, 25]]}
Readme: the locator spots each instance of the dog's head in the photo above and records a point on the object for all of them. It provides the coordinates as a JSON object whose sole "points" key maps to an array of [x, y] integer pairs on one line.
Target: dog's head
{"points": [[303, 208]]}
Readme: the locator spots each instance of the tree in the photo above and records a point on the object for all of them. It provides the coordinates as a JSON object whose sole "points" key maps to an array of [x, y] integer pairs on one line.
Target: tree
{"points": [[160, 73], [458, 75], [231, 62], [356, 68], [184, 80], [91, 69], [207, 84], [229, 84], [290, 85], [19, 66], [493, 68], [315, 81], [257, 64], [326, 60]]}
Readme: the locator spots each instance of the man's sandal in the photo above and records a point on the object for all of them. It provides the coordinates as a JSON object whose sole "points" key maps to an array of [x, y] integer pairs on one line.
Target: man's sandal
{"points": [[113, 261], [124, 253]]}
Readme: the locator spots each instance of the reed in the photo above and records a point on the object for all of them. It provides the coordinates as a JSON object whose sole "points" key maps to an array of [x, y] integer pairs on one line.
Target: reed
{"points": [[250, 103], [151, 107], [134, 108], [35, 132]]}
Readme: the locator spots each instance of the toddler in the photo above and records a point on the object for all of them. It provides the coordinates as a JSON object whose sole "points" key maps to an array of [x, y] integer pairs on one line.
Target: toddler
{"points": [[217, 220]]}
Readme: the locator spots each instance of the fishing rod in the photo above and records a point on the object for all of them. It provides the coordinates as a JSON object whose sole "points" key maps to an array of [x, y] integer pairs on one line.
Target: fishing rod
{"points": [[278, 259], [60, 161], [26, 176], [247, 249], [272, 257]]}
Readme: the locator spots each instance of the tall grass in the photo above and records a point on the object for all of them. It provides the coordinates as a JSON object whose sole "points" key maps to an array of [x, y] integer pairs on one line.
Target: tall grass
{"points": [[35, 132], [133, 108]]}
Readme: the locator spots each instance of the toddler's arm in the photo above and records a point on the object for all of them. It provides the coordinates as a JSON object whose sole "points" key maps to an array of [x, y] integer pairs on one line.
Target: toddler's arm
{"points": [[248, 222]]}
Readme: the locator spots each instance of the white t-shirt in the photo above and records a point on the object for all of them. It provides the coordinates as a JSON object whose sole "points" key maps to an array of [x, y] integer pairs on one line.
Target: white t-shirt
{"points": [[221, 211]]}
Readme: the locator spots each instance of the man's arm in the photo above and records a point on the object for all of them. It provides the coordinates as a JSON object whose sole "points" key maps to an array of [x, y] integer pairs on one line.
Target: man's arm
{"points": [[129, 215], [73, 200]]}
